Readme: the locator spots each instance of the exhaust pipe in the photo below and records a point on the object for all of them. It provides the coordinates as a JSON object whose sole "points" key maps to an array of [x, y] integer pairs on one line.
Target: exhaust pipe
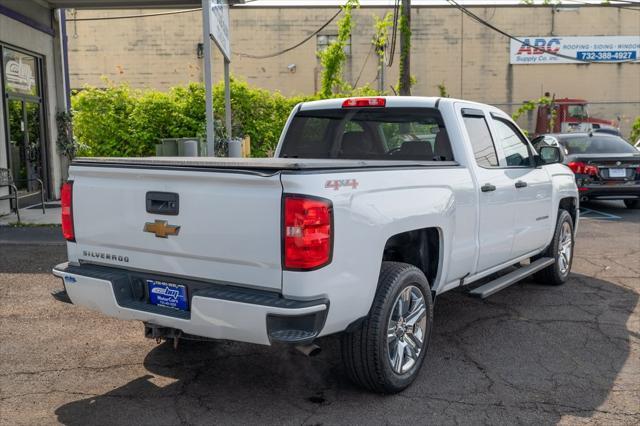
{"points": [[584, 199], [309, 350]]}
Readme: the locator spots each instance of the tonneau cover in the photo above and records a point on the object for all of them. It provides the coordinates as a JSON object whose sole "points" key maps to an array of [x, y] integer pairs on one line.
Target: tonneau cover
{"points": [[254, 163]]}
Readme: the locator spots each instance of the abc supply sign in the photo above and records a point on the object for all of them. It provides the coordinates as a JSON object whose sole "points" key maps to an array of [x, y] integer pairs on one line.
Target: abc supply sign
{"points": [[542, 50]]}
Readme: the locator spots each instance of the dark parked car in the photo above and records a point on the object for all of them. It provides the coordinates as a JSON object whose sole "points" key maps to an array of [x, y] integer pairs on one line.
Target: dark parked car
{"points": [[606, 166]]}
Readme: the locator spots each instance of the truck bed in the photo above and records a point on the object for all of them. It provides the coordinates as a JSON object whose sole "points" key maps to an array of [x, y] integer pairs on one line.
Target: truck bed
{"points": [[252, 164]]}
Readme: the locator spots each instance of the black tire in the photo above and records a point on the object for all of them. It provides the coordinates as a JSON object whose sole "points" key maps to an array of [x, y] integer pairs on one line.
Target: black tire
{"points": [[365, 350], [553, 275], [632, 204]]}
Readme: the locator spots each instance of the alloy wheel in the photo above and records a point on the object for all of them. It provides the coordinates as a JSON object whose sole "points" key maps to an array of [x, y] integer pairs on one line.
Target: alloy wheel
{"points": [[406, 329], [565, 247]]}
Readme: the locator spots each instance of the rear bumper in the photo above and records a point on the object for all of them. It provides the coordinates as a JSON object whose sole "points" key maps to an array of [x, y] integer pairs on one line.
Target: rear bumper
{"points": [[216, 311], [620, 191]]}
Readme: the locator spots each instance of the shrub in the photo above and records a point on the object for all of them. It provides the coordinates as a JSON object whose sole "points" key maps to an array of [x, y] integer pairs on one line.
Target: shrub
{"points": [[101, 121], [119, 121]]}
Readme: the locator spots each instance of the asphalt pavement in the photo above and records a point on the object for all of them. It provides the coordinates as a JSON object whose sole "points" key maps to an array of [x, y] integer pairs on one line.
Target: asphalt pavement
{"points": [[530, 354]]}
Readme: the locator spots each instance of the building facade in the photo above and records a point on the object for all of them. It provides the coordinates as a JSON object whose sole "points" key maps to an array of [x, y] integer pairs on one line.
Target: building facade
{"points": [[35, 88], [32, 94], [470, 60]]}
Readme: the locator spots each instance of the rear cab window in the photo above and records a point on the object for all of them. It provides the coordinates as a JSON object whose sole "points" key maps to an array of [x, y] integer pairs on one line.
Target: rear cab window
{"points": [[417, 134]]}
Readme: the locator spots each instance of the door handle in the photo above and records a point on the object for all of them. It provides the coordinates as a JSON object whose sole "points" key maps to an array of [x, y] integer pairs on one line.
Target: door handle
{"points": [[487, 187], [521, 184]]}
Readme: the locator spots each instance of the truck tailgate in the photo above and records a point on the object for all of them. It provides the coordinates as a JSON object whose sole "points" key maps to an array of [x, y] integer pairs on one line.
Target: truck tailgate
{"points": [[229, 223]]}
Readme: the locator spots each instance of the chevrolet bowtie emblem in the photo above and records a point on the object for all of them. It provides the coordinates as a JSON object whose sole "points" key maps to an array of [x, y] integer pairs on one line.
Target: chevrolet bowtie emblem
{"points": [[161, 228]]}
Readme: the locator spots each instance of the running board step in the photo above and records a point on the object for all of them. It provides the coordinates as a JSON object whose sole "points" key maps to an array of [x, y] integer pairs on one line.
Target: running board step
{"points": [[505, 281]]}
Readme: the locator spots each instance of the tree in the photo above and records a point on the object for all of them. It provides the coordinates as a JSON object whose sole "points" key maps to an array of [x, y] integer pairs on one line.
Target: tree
{"points": [[380, 39], [332, 58], [404, 25]]}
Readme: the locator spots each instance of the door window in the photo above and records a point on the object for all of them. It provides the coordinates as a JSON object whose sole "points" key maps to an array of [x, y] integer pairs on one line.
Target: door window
{"points": [[20, 73], [514, 147], [483, 148]]}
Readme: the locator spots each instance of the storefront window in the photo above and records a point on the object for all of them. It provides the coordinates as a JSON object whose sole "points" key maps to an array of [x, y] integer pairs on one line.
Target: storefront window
{"points": [[20, 71]]}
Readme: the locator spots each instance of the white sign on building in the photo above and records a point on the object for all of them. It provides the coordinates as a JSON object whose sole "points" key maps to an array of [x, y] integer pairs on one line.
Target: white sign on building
{"points": [[574, 50], [219, 26]]}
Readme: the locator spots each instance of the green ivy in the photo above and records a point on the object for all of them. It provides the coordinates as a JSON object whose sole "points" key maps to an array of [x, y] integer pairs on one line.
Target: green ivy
{"points": [[442, 90], [67, 144], [381, 35], [635, 131], [532, 105], [333, 57]]}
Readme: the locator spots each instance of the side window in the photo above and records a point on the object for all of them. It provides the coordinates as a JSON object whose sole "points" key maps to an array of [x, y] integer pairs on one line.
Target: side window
{"points": [[483, 148], [515, 149], [538, 143]]}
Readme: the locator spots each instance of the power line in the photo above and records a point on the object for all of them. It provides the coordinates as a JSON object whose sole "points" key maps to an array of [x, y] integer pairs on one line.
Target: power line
{"points": [[504, 33], [147, 15], [144, 15], [363, 66], [394, 32], [288, 49]]}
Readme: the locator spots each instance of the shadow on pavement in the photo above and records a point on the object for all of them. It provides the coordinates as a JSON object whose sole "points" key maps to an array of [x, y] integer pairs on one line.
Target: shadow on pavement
{"points": [[529, 354]]}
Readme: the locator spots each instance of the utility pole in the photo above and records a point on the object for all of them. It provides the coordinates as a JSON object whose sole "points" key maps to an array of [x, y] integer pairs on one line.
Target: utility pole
{"points": [[206, 41], [405, 49]]}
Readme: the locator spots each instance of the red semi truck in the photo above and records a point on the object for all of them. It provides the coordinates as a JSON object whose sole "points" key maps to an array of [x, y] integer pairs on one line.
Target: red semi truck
{"points": [[571, 115]]}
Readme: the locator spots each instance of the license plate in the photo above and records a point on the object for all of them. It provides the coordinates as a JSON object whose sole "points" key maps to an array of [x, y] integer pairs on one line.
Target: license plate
{"points": [[617, 173], [169, 295]]}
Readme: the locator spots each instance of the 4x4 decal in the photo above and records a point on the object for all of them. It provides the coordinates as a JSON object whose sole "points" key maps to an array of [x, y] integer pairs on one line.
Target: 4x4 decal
{"points": [[336, 184]]}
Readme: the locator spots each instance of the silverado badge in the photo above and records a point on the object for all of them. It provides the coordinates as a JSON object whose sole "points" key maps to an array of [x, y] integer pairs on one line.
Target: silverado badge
{"points": [[161, 228]]}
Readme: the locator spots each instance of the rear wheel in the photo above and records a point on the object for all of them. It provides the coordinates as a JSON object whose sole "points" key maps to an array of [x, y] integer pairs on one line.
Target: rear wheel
{"points": [[561, 249], [632, 204], [385, 353]]}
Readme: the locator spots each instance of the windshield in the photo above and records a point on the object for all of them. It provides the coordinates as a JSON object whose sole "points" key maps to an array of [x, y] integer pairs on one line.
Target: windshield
{"points": [[577, 111], [372, 134], [596, 145]]}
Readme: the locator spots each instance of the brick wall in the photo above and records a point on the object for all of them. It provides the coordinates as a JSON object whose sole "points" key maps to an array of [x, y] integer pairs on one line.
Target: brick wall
{"points": [[469, 59]]}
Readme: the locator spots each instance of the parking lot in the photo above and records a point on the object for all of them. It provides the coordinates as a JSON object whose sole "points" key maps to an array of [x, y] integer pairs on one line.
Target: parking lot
{"points": [[529, 354]]}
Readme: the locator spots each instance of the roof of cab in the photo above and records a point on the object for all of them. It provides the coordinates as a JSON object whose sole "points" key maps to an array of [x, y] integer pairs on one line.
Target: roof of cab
{"points": [[391, 102], [398, 102]]}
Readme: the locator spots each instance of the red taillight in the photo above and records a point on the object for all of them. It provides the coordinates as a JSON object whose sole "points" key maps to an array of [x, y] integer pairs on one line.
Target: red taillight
{"points": [[66, 201], [581, 168], [364, 102], [307, 232]]}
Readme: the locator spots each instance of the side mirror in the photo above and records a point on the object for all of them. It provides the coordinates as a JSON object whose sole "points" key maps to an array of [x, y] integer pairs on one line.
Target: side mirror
{"points": [[549, 155]]}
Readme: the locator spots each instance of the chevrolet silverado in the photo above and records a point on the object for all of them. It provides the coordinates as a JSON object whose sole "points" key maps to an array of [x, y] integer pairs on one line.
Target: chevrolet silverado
{"points": [[370, 209]]}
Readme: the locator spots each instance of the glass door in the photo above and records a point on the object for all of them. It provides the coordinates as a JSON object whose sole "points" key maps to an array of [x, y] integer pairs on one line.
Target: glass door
{"points": [[25, 125], [25, 144]]}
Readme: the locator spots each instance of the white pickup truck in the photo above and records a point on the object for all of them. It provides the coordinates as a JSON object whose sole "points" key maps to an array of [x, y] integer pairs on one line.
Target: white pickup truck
{"points": [[371, 208]]}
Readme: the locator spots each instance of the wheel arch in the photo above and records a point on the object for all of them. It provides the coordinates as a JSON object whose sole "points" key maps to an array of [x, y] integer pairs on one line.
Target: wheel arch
{"points": [[570, 204], [422, 248]]}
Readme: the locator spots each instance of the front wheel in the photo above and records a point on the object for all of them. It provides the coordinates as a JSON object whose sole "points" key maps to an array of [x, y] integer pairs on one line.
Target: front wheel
{"points": [[632, 204], [385, 353], [561, 249]]}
